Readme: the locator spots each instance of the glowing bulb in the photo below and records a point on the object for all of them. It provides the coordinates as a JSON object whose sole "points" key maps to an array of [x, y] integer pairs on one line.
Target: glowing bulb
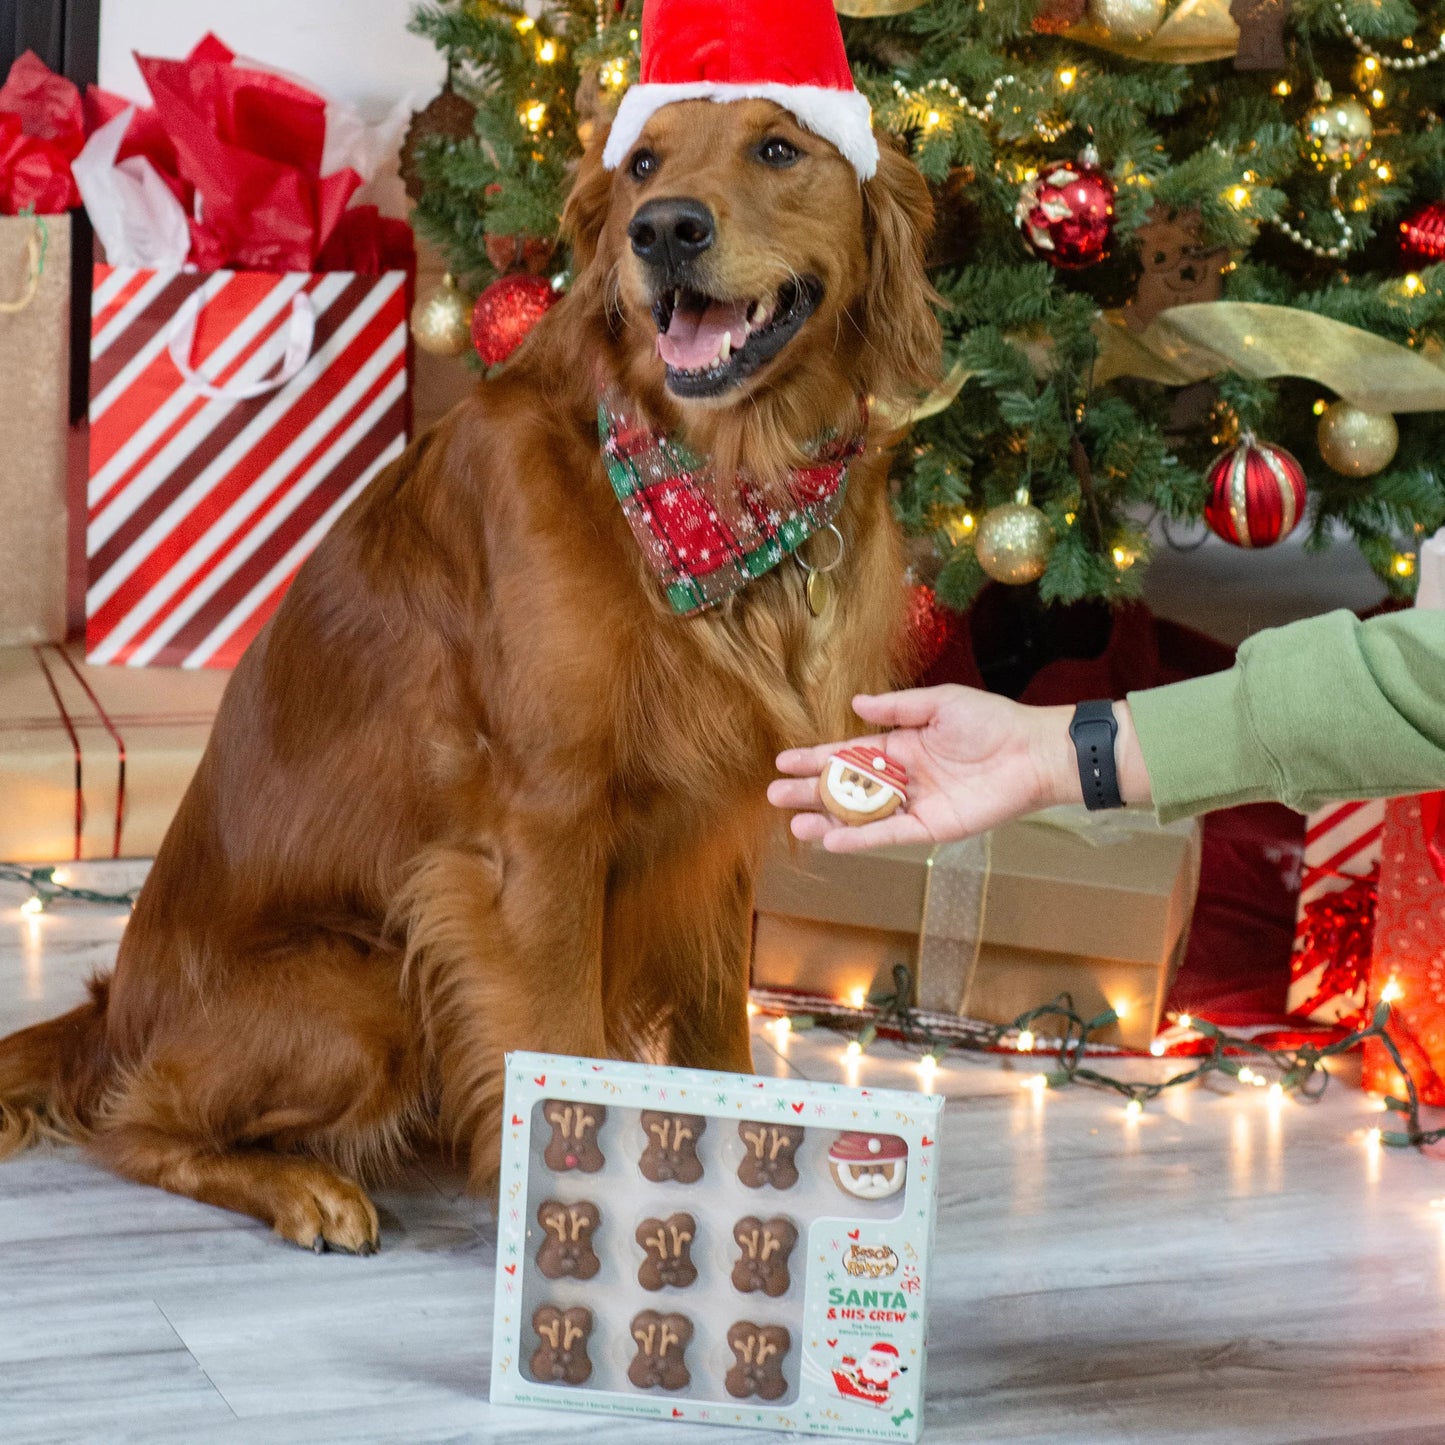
{"points": [[1246, 1075], [1371, 64], [1133, 1108], [1121, 1008], [1026, 1041], [1067, 77], [1259, 1081], [1374, 1137], [525, 25], [1320, 407], [752, 1009], [1185, 1021], [534, 115], [32, 906], [1413, 284], [858, 997], [926, 1065], [854, 1049], [1070, 518], [1377, 97], [547, 52], [1157, 1048], [1276, 1090], [783, 1025], [1240, 195], [1384, 172], [1124, 559], [61, 877], [614, 74], [1282, 87], [1402, 564], [1034, 1081], [1392, 991], [933, 120]]}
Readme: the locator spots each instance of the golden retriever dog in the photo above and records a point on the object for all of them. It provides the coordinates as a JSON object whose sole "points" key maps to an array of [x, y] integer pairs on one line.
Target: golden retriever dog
{"points": [[476, 787]]}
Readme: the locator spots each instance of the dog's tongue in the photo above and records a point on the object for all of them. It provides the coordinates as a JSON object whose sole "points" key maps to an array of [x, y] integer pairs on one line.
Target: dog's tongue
{"points": [[692, 341]]}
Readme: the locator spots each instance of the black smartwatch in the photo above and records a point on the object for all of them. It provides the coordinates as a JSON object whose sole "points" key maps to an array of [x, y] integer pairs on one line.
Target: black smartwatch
{"points": [[1093, 730]]}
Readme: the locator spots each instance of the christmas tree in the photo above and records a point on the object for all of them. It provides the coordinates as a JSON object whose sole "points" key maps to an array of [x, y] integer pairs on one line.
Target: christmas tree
{"points": [[1181, 244]]}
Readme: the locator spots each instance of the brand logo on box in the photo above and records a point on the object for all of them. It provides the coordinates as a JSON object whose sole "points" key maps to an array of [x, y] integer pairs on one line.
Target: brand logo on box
{"points": [[870, 1261]]}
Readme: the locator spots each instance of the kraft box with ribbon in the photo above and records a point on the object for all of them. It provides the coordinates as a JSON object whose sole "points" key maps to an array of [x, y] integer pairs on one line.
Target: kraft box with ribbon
{"points": [[1064, 902], [94, 761]]}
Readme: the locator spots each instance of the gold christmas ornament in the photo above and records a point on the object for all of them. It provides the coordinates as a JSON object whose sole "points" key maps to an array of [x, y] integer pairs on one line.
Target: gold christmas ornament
{"points": [[1357, 443], [442, 322], [1014, 542], [1335, 132], [1128, 20]]}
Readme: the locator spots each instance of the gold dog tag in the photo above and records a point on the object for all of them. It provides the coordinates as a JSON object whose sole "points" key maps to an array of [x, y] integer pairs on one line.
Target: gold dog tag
{"points": [[820, 593]]}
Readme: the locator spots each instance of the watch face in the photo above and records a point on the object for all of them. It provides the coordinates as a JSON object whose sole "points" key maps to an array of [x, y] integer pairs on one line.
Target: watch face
{"points": [[858, 791]]}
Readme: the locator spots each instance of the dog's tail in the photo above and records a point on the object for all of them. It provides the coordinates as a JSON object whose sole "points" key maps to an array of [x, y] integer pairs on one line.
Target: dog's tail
{"points": [[52, 1076]]}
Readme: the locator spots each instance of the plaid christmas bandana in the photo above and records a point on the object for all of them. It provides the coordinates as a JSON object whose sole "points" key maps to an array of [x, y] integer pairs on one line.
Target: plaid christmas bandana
{"points": [[669, 498]]}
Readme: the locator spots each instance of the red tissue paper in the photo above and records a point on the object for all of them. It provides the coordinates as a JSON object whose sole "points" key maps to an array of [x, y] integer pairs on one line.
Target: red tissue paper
{"points": [[42, 130]]}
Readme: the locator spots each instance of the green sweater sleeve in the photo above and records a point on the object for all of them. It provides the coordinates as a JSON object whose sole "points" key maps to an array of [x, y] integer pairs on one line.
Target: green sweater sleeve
{"points": [[1323, 709]]}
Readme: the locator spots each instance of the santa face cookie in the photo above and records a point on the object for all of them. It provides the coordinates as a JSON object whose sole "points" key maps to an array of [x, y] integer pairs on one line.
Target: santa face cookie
{"points": [[863, 785], [868, 1166]]}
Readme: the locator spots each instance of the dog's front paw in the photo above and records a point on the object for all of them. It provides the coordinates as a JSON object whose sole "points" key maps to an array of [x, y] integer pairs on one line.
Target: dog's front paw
{"points": [[319, 1211]]}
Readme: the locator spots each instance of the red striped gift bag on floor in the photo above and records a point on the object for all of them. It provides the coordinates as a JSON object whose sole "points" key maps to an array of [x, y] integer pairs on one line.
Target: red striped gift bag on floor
{"points": [[234, 415]]}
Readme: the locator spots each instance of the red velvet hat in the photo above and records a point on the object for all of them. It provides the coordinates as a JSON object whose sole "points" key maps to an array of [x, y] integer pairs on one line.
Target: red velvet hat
{"points": [[787, 51]]}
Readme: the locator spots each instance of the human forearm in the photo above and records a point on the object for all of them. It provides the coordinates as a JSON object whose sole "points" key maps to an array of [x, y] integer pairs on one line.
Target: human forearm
{"points": [[1057, 762]]}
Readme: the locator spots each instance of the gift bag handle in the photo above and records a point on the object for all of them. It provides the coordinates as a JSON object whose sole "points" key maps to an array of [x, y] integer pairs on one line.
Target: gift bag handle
{"points": [[35, 249], [300, 338]]}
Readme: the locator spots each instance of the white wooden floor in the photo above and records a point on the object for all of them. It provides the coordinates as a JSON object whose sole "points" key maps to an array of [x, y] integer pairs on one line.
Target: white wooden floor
{"points": [[1222, 1270]]}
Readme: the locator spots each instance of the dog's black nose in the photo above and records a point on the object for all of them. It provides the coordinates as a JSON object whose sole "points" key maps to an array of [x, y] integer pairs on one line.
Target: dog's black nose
{"points": [[669, 233]]}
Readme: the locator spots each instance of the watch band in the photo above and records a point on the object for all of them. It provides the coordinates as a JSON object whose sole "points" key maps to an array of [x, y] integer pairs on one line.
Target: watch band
{"points": [[1093, 731]]}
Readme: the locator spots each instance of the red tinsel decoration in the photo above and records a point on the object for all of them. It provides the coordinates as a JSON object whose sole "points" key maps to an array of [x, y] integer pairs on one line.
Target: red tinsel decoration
{"points": [[506, 313], [930, 624], [1422, 235], [1337, 932]]}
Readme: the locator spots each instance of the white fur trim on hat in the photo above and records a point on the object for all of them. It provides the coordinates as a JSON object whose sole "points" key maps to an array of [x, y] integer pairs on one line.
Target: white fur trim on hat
{"points": [[841, 116]]}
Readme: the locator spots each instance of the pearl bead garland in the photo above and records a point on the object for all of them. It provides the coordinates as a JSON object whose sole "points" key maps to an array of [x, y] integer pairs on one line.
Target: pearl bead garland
{"points": [[1333, 253], [1043, 129], [1390, 62]]}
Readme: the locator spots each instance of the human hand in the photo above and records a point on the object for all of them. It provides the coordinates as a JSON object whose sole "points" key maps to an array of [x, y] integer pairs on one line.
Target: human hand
{"points": [[974, 761]]}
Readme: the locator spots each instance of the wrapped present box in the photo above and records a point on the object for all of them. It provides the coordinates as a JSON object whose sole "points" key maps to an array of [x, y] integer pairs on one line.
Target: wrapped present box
{"points": [[990, 928], [94, 761]]}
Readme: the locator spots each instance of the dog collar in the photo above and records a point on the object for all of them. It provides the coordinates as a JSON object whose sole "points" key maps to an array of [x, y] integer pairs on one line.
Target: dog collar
{"points": [[702, 552]]}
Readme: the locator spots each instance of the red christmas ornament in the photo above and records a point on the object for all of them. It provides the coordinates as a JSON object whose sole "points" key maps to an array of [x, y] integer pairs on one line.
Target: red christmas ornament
{"points": [[1422, 235], [1256, 494], [506, 313], [1066, 213], [930, 624]]}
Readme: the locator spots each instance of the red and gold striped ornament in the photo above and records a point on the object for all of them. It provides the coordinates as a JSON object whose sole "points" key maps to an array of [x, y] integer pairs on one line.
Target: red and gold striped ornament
{"points": [[1256, 494], [1422, 235]]}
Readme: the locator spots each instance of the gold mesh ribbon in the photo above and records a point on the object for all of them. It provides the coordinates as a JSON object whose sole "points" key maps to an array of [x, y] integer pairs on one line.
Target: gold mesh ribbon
{"points": [[1193, 33], [1186, 344], [953, 912], [870, 9]]}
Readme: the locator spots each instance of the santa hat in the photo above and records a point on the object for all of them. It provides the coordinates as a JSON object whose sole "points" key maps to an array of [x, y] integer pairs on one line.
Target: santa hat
{"points": [[876, 765], [854, 1148], [883, 1348], [787, 51]]}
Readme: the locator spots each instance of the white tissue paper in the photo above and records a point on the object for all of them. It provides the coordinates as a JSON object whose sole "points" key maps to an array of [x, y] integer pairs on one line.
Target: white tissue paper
{"points": [[135, 214], [1431, 594]]}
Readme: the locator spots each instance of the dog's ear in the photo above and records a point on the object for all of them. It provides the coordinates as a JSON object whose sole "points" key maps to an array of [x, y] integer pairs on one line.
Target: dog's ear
{"points": [[585, 215], [903, 354]]}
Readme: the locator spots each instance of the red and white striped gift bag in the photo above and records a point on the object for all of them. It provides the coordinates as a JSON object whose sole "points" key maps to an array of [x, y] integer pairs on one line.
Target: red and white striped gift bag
{"points": [[1342, 845], [234, 416]]}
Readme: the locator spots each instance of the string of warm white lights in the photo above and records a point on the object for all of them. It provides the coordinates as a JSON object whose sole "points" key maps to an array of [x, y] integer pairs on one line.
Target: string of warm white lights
{"points": [[1059, 1030], [935, 115], [1390, 62]]}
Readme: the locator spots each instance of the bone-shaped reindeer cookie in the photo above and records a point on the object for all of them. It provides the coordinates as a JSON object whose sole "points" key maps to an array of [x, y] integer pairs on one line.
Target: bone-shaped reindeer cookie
{"points": [[758, 1354], [661, 1342], [671, 1153], [573, 1144], [668, 1246], [771, 1154], [561, 1354], [764, 1247], [566, 1251]]}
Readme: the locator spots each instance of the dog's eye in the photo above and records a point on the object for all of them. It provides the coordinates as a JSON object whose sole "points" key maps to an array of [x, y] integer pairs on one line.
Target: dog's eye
{"points": [[644, 165], [775, 151]]}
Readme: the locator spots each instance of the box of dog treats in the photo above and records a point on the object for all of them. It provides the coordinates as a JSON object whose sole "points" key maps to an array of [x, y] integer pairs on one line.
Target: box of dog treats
{"points": [[682, 1245]]}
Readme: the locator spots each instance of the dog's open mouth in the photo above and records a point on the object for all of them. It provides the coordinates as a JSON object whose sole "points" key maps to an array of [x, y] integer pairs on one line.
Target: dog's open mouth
{"points": [[710, 346]]}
